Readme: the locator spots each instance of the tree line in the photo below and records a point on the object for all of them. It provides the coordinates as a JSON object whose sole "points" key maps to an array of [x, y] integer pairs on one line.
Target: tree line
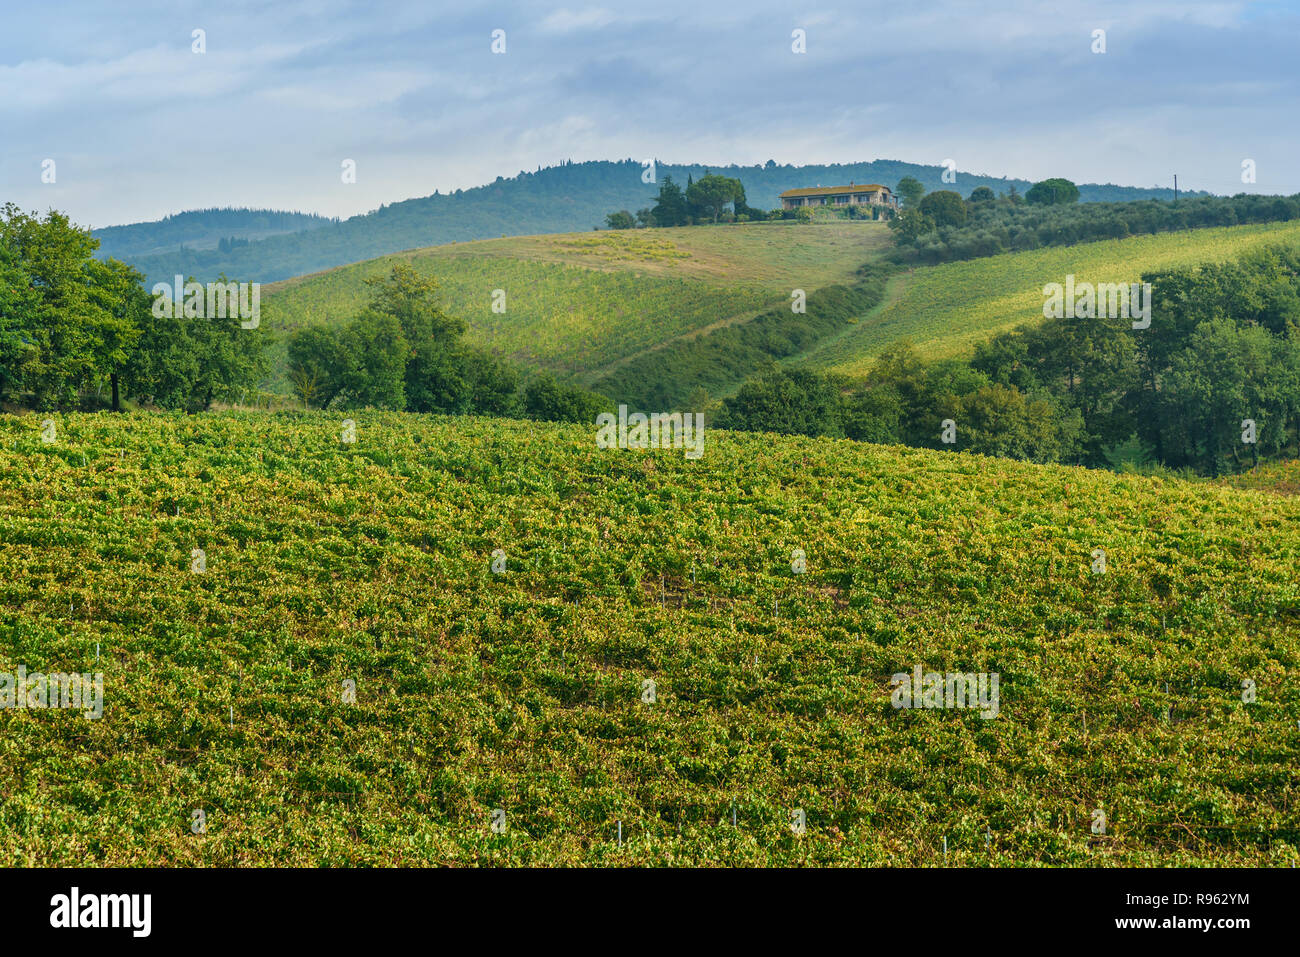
{"points": [[1213, 385], [710, 199], [81, 333], [77, 332], [942, 227], [402, 351]]}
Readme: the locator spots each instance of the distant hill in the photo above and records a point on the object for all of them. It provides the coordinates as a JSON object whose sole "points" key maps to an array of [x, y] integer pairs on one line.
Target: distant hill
{"points": [[201, 229], [565, 198]]}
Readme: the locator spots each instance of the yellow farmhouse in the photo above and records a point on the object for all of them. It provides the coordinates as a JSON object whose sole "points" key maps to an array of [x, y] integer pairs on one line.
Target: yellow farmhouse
{"points": [[872, 194]]}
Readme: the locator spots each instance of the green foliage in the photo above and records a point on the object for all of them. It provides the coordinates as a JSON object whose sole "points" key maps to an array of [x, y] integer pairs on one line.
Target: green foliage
{"points": [[1004, 226], [375, 354], [909, 190], [670, 208], [552, 401], [70, 322], [944, 208], [710, 195], [911, 223], [620, 220], [183, 362], [1052, 192], [68, 319], [789, 402]]}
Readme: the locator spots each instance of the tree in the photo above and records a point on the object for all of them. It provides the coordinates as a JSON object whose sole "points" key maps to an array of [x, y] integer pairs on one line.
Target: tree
{"points": [[315, 366], [620, 220], [945, 207], [982, 194], [798, 401], [711, 194], [373, 358], [551, 401], [911, 223], [124, 309], [187, 362], [670, 209], [909, 190], [998, 420], [413, 300], [18, 304], [68, 334], [1053, 192]]}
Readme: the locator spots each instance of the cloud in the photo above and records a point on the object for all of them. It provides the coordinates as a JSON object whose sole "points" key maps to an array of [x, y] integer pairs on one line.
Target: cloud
{"points": [[568, 21], [142, 127]]}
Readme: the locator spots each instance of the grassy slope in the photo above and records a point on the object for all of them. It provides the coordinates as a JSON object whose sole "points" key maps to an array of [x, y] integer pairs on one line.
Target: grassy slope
{"points": [[369, 562], [579, 303], [946, 309]]}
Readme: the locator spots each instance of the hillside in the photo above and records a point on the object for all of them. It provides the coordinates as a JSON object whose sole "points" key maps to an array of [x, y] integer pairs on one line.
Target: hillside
{"points": [[946, 309], [329, 563], [565, 198], [601, 307], [199, 230], [580, 303]]}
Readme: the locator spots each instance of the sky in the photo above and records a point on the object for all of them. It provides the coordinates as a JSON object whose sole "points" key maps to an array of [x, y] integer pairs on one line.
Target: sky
{"points": [[139, 125]]}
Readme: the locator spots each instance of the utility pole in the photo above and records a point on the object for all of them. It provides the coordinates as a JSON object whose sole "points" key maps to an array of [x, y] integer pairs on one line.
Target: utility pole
{"points": [[1175, 187]]}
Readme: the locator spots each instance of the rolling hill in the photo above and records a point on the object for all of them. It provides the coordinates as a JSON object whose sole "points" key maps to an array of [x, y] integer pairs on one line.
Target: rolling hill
{"points": [[366, 568], [946, 309], [564, 198], [623, 312], [581, 304]]}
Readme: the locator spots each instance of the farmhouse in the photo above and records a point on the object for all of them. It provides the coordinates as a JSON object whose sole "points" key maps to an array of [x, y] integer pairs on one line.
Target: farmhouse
{"points": [[871, 194]]}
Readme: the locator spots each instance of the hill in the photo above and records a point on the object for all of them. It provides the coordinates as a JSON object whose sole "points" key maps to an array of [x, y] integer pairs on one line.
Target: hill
{"points": [[565, 198], [370, 563], [579, 304], [946, 309], [603, 308], [202, 229]]}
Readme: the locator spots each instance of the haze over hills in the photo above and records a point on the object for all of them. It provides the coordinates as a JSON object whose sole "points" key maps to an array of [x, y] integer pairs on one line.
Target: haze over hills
{"points": [[565, 198]]}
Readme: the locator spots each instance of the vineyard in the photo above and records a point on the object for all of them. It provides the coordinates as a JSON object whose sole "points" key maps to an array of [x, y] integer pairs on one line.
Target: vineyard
{"points": [[1280, 477], [578, 303], [945, 310], [459, 641]]}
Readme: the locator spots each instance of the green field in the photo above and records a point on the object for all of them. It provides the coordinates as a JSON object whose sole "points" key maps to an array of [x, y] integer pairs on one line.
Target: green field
{"points": [[945, 310], [370, 562], [579, 303]]}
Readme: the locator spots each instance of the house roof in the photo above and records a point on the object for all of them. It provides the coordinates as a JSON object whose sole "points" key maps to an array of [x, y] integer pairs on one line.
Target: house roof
{"points": [[828, 190]]}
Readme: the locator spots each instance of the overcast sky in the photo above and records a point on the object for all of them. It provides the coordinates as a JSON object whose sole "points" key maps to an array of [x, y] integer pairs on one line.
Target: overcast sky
{"points": [[140, 126]]}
